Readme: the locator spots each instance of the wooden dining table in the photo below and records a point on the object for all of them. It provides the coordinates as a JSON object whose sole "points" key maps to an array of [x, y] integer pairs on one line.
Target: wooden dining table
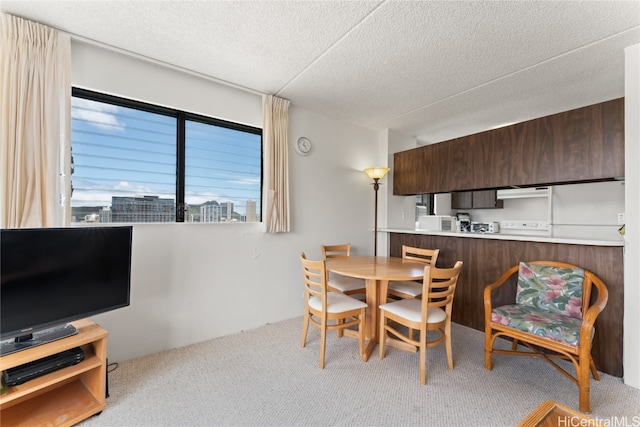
{"points": [[376, 271]]}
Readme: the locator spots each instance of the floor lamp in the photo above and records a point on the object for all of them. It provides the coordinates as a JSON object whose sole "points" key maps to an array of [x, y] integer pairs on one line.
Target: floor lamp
{"points": [[376, 173]]}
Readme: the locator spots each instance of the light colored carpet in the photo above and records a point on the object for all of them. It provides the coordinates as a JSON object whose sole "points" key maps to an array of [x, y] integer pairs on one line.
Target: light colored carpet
{"points": [[263, 377]]}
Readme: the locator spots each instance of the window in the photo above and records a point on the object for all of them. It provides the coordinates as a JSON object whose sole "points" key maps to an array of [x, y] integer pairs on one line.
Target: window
{"points": [[136, 162], [424, 205]]}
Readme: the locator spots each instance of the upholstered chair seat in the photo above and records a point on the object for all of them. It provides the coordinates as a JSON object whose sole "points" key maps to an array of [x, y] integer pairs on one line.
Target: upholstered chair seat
{"points": [[554, 326], [346, 285], [406, 288]]}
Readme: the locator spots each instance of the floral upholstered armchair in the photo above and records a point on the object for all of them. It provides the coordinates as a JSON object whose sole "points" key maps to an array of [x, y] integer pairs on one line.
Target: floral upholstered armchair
{"points": [[551, 316]]}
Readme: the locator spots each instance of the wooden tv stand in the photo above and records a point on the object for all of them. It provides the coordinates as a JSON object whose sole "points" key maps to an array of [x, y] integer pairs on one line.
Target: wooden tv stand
{"points": [[64, 397]]}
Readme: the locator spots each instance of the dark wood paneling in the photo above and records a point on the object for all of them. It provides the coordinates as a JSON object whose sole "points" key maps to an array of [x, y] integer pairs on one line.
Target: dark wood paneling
{"points": [[403, 182], [462, 200], [613, 128], [486, 259], [487, 199], [460, 160], [581, 145]]}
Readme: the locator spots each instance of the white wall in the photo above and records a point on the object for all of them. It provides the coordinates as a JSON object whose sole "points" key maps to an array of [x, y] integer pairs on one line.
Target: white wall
{"points": [[632, 236], [193, 282]]}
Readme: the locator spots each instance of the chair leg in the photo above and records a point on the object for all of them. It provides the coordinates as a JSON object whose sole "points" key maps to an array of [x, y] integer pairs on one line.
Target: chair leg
{"points": [[447, 331], [488, 348], [340, 331], [361, 326], [514, 345], [323, 340], [423, 356], [382, 336], [583, 386], [305, 327], [594, 371]]}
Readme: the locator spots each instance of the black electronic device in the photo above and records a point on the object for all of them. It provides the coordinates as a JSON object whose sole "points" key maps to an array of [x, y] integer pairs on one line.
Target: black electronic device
{"points": [[52, 276], [23, 373]]}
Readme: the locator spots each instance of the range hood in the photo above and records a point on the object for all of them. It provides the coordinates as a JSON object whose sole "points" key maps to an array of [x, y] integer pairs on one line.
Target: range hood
{"points": [[522, 193]]}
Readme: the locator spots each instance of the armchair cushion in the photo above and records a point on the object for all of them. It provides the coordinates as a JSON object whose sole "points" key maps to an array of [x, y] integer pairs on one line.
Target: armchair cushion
{"points": [[552, 290], [554, 326]]}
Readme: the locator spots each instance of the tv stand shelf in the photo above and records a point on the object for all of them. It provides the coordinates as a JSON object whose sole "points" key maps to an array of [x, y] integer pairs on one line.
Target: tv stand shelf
{"points": [[64, 397]]}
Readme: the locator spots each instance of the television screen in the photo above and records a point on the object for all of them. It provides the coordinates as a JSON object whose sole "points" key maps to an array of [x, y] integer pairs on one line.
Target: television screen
{"points": [[51, 276]]}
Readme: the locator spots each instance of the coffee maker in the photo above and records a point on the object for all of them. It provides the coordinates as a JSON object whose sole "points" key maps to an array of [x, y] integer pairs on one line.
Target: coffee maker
{"points": [[463, 222]]}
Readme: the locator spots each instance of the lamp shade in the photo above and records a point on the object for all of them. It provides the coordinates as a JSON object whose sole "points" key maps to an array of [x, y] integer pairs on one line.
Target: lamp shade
{"points": [[376, 172]]}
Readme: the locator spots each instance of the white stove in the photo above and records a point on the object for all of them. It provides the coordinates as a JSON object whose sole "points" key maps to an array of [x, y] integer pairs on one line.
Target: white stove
{"points": [[525, 225]]}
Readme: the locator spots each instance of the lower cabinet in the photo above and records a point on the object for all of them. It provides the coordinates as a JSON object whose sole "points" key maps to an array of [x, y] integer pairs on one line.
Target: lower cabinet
{"points": [[64, 397], [486, 259]]}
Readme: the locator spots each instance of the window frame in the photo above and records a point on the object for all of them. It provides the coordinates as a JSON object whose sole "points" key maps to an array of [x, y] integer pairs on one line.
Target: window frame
{"points": [[181, 119]]}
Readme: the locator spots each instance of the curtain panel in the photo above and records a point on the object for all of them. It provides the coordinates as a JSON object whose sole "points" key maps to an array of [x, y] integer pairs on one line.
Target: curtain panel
{"points": [[276, 158], [35, 96]]}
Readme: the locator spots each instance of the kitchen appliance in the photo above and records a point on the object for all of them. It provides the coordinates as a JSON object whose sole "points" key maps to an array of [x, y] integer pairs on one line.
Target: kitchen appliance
{"points": [[464, 222], [437, 223], [522, 193], [485, 227]]}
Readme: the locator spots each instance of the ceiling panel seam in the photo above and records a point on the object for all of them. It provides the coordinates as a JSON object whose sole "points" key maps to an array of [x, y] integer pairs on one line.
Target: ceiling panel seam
{"points": [[333, 45]]}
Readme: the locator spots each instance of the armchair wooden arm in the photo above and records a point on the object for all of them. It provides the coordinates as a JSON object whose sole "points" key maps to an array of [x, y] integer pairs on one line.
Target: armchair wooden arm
{"points": [[488, 304]]}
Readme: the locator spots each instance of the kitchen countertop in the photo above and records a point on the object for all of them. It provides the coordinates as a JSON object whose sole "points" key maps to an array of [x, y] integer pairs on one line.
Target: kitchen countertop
{"points": [[520, 237]]}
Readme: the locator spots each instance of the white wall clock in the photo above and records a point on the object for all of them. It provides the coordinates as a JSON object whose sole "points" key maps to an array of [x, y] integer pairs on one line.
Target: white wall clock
{"points": [[303, 146]]}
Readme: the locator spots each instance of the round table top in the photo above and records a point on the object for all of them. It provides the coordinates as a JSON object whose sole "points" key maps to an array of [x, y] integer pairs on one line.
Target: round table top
{"points": [[376, 267]]}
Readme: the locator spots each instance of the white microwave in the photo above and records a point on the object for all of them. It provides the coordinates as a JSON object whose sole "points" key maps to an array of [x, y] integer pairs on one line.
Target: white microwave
{"points": [[437, 223]]}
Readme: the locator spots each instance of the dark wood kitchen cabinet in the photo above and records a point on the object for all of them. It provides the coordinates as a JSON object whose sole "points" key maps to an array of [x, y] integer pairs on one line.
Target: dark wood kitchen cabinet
{"points": [[481, 199], [581, 145]]}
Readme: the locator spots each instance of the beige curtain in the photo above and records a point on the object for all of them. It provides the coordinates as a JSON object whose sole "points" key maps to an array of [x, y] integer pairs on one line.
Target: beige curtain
{"points": [[275, 130], [35, 96]]}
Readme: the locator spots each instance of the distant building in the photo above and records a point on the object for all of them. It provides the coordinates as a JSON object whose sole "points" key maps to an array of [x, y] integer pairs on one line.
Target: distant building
{"points": [[142, 209], [91, 218], [210, 212], [251, 211], [105, 215], [226, 211]]}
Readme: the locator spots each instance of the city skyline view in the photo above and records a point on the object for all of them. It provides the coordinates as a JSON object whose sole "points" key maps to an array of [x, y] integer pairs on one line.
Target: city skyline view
{"points": [[156, 209]]}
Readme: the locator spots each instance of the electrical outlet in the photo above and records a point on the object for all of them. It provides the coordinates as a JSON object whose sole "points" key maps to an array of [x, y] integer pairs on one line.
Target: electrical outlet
{"points": [[621, 218]]}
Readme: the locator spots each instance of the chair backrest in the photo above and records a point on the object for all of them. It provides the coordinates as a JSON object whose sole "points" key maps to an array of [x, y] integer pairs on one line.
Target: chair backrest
{"points": [[314, 274], [336, 251], [427, 256], [554, 287], [439, 285]]}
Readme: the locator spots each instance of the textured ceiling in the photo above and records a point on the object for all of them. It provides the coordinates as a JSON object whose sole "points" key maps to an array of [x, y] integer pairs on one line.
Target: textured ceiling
{"points": [[430, 69]]}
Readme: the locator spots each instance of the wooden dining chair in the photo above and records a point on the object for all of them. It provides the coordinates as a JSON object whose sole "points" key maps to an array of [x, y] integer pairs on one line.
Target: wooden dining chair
{"points": [[412, 289], [328, 310], [431, 313], [337, 282]]}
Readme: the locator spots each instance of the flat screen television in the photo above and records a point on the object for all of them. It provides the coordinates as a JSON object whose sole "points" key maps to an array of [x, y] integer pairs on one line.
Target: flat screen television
{"points": [[52, 276]]}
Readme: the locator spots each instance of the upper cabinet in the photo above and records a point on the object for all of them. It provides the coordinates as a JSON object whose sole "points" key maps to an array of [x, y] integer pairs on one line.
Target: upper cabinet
{"points": [[581, 145], [481, 199]]}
